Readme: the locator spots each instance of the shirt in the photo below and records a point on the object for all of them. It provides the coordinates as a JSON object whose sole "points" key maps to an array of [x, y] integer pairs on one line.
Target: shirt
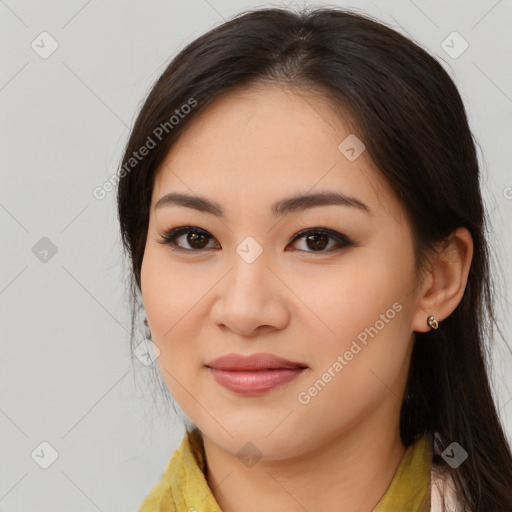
{"points": [[184, 488]]}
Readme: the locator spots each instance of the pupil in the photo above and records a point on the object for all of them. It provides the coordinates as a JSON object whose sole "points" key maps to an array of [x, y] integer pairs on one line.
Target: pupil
{"points": [[314, 239], [192, 239]]}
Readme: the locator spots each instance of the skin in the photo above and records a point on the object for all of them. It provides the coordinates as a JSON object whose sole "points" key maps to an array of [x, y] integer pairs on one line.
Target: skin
{"points": [[247, 150]]}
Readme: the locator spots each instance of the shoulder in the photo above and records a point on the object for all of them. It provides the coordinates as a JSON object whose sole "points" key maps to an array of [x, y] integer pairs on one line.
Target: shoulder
{"points": [[159, 496], [443, 489]]}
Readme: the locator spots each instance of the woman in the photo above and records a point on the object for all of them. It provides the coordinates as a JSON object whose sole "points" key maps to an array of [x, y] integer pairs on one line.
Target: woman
{"points": [[300, 202]]}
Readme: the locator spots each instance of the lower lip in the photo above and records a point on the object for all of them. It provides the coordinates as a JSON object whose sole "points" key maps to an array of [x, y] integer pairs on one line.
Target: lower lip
{"points": [[255, 382]]}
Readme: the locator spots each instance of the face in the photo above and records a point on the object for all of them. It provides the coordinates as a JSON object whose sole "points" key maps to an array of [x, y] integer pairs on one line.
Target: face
{"points": [[327, 285]]}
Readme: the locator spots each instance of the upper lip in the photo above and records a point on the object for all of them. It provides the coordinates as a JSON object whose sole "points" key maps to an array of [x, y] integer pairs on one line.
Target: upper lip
{"points": [[259, 361]]}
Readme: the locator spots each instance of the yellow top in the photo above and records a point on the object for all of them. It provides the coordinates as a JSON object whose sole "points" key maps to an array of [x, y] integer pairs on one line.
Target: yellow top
{"points": [[184, 488]]}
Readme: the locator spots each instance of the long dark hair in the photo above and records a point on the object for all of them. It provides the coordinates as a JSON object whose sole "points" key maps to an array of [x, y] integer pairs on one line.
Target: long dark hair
{"points": [[412, 121]]}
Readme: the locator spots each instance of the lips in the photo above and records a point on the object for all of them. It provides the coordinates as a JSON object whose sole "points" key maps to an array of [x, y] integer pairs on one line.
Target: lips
{"points": [[254, 375]]}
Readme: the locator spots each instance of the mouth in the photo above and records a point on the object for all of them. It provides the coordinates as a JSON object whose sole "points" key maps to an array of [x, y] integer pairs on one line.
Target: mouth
{"points": [[254, 375]]}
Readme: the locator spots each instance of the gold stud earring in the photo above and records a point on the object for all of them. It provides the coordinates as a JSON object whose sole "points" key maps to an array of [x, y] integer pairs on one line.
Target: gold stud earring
{"points": [[432, 322]]}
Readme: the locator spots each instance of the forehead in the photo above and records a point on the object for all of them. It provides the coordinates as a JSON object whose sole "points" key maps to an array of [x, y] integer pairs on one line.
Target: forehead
{"points": [[267, 142]]}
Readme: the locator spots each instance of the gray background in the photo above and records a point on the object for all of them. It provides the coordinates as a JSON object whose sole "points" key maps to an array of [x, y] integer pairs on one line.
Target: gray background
{"points": [[65, 371]]}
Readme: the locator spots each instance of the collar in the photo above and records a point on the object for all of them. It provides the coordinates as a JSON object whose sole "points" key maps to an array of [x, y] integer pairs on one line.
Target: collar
{"points": [[183, 487]]}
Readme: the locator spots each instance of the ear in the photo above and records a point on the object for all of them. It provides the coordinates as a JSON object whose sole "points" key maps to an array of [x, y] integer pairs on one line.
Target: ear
{"points": [[443, 286]]}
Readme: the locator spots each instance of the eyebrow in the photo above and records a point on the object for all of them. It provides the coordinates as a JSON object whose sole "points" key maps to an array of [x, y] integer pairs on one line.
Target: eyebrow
{"points": [[294, 203]]}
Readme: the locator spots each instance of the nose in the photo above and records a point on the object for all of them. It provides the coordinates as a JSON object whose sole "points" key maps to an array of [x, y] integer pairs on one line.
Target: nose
{"points": [[251, 299]]}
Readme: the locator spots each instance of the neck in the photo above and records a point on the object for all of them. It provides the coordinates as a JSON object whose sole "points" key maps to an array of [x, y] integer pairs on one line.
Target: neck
{"points": [[354, 468]]}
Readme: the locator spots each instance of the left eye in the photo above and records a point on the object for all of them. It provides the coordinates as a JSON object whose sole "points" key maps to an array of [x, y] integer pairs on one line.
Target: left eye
{"points": [[197, 238], [317, 238]]}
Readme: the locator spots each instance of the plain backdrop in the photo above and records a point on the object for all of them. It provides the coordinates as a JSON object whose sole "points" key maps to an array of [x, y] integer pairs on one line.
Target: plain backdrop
{"points": [[73, 75]]}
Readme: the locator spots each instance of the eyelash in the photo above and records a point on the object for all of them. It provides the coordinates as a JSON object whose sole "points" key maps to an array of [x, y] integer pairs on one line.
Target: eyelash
{"points": [[169, 238]]}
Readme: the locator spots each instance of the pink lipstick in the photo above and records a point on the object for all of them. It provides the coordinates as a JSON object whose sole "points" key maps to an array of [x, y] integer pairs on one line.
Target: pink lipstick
{"points": [[256, 374]]}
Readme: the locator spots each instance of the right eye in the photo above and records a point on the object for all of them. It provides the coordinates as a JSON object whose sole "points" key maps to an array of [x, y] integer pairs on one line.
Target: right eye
{"points": [[197, 238]]}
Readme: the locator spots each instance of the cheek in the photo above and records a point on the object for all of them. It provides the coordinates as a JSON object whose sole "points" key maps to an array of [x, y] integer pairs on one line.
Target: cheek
{"points": [[168, 291], [345, 300], [165, 302], [172, 294], [359, 311], [362, 362]]}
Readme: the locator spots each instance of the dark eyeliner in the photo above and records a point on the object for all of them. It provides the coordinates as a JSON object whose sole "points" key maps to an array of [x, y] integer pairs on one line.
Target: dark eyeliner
{"points": [[340, 238], [169, 237]]}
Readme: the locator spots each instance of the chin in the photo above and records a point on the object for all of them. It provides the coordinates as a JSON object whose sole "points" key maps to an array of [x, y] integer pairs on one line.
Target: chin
{"points": [[252, 443]]}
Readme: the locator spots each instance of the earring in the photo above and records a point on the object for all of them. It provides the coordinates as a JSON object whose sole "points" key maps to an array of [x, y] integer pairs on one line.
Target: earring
{"points": [[432, 322], [147, 330], [146, 352]]}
